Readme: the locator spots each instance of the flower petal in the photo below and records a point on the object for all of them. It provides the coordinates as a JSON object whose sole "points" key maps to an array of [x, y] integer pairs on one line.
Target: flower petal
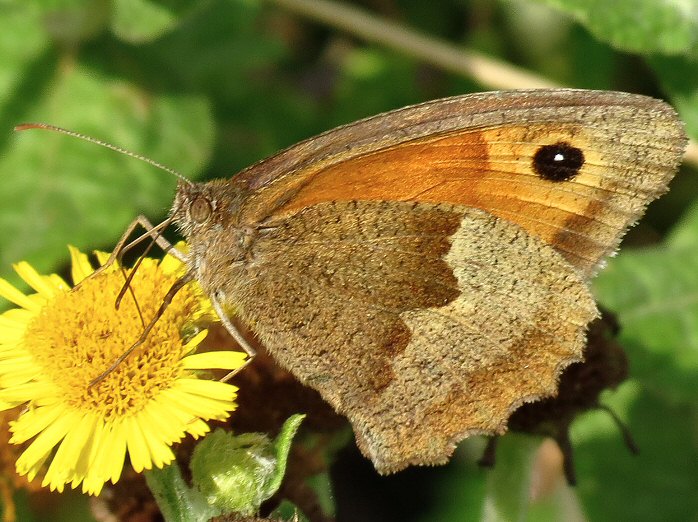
{"points": [[75, 432], [224, 360], [160, 453], [10, 293], [28, 391], [170, 264], [198, 428], [80, 265], [45, 441], [138, 451], [108, 458], [41, 284], [65, 465], [208, 389], [12, 323], [34, 421]]}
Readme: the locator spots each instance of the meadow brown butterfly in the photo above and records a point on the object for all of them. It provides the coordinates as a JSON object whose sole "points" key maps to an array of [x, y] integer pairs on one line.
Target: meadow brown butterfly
{"points": [[426, 270]]}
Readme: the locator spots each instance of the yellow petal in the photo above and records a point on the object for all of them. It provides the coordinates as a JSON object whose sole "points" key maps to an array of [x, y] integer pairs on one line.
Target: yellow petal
{"points": [[80, 265], [118, 453], [10, 337], [41, 284], [38, 465], [58, 282], [76, 435], [45, 441], [63, 468], [14, 320], [137, 447], [221, 360], [168, 431], [69, 455], [10, 293], [170, 264], [198, 428], [102, 257], [28, 391], [108, 460], [19, 376], [33, 421], [208, 389], [200, 406], [160, 453]]}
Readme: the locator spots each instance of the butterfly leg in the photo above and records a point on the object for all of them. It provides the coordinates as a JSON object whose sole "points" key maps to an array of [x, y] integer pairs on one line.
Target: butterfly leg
{"points": [[236, 334], [152, 231], [172, 292], [624, 430], [155, 233]]}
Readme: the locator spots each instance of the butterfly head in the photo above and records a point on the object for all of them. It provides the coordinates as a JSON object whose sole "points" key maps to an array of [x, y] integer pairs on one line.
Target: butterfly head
{"points": [[202, 207]]}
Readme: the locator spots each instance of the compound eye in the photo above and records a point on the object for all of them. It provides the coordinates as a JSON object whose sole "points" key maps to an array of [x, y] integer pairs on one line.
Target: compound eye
{"points": [[200, 210]]}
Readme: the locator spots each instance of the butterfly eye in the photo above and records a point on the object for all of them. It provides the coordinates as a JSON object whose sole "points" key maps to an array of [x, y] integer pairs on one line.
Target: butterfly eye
{"points": [[200, 210]]}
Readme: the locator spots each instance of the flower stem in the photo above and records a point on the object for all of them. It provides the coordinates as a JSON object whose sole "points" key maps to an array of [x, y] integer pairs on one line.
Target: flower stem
{"points": [[507, 494], [177, 502]]}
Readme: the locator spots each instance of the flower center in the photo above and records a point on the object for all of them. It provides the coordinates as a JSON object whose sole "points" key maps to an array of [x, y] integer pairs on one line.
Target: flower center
{"points": [[80, 334]]}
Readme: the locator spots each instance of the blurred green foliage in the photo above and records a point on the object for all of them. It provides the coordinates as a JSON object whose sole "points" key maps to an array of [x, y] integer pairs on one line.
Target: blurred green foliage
{"points": [[209, 87]]}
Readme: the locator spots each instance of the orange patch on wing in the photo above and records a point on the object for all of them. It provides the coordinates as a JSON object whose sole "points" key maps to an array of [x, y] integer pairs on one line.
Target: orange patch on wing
{"points": [[490, 169]]}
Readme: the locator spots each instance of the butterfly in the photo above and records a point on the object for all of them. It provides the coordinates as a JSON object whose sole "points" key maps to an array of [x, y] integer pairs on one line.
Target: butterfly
{"points": [[427, 270]]}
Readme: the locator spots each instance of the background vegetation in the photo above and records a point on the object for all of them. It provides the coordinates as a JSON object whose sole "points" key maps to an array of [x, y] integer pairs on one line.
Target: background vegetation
{"points": [[209, 87]]}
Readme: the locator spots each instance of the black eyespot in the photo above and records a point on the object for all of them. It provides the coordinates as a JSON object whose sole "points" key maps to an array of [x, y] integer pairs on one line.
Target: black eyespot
{"points": [[558, 162]]}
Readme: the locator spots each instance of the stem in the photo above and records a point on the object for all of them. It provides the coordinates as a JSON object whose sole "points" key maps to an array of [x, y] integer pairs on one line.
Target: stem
{"points": [[486, 70], [177, 502], [508, 490]]}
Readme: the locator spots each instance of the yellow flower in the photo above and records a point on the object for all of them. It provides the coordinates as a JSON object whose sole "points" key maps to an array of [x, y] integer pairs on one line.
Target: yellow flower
{"points": [[60, 339]]}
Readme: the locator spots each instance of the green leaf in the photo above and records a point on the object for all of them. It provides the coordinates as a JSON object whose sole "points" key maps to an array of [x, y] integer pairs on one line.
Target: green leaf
{"points": [[679, 78], [654, 291], [282, 447], [321, 484], [661, 26], [267, 78], [685, 234], [288, 511], [58, 190], [71, 22], [460, 490], [657, 484], [557, 47], [139, 21], [18, 50]]}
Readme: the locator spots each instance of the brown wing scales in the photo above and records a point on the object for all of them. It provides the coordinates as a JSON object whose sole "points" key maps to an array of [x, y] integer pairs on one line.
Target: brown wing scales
{"points": [[436, 334]]}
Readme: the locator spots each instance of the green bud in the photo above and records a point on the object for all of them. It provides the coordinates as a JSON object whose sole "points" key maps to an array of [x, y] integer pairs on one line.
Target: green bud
{"points": [[236, 473]]}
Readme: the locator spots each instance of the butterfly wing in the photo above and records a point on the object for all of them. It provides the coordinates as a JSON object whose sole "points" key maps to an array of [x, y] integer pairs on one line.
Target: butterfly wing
{"points": [[426, 269], [496, 152], [421, 323]]}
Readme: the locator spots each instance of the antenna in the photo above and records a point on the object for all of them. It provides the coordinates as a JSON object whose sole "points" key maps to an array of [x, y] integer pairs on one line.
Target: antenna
{"points": [[46, 126]]}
